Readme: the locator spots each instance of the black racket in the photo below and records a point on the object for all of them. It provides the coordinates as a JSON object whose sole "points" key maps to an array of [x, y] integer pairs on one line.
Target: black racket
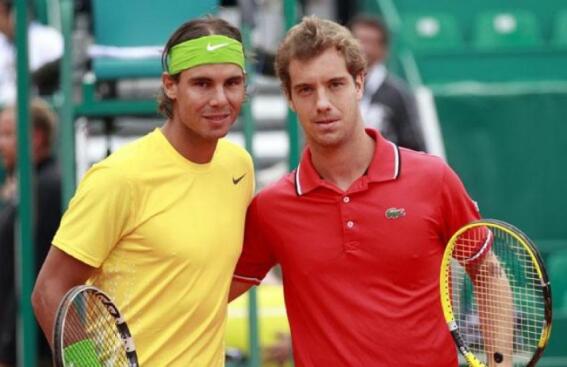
{"points": [[89, 331]]}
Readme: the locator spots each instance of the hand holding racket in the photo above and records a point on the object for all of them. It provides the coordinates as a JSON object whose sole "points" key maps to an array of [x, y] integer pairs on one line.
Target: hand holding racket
{"points": [[90, 331], [495, 295]]}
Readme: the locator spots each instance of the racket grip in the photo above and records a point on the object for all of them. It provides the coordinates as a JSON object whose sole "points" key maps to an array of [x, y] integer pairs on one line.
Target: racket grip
{"points": [[81, 354], [469, 357]]}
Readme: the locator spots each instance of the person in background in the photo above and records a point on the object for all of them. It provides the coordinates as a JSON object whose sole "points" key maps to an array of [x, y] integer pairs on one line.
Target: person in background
{"points": [[387, 103], [45, 46], [47, 215]]}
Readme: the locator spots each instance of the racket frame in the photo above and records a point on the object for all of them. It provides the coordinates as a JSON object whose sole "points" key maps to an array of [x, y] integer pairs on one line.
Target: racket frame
{"points": [[446, 296], [110, 307]]}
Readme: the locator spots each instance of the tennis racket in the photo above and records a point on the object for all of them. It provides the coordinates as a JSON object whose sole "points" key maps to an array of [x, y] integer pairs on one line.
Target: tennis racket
{"points": [[90, 331], [496, 295]]}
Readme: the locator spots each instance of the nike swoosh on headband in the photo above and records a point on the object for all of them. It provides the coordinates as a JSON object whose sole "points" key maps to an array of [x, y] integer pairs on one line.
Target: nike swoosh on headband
{"points": [[215, 47]]}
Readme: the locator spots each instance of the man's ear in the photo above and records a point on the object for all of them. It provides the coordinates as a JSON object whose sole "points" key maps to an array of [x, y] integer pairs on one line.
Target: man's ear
{"points": [[169, 85], [359, 85]]}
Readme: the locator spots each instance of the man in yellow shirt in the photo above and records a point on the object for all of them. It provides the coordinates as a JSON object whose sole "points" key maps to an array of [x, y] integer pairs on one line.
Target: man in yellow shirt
{"points": [[159, 224]]}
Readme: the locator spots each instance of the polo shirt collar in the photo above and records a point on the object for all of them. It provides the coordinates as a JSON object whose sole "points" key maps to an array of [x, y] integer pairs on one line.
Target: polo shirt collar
{"points": [[385, 166]]}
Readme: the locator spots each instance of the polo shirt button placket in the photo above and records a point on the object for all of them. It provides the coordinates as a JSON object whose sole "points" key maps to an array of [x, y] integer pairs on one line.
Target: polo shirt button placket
{"points": [[346, 199]]}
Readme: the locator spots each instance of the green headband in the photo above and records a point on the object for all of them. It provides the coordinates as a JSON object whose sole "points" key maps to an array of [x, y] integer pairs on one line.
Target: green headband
{"points": [[213, 49]]}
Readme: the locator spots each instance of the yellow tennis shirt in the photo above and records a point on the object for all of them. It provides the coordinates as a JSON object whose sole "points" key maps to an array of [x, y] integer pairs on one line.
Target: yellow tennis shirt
{"points": [[165, 235]]}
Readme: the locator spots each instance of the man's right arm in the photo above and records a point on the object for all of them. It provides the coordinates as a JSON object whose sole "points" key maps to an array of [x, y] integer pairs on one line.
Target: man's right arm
{"points": [[256, 258], [59, 273]]}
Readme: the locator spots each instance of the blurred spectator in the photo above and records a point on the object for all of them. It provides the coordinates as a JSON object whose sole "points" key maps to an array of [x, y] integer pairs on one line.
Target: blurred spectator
{"points": [[346, 10], [45, 46], [47, 215], [279, 352], [7, 190], [387, 104]]}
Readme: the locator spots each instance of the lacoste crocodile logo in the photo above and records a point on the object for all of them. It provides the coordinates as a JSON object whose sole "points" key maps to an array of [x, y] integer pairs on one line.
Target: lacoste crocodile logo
{"points": [[237, 180], [395, 213]]}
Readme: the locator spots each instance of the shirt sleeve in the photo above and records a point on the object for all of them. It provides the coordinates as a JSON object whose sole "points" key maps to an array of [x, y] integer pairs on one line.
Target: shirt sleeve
{"points": [[99, 214], [458, 209], [256, 258]]}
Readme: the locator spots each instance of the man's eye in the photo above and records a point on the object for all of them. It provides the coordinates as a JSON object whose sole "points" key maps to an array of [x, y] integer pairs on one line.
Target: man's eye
{"points": [[336, 84], [234, 83], [201, 84]]}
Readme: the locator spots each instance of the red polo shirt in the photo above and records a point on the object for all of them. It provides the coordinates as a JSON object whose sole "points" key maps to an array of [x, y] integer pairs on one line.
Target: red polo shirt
{"points": [[361, 267]]}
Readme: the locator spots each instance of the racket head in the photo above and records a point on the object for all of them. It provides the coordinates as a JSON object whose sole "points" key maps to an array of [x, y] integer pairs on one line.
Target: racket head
{"points": [[525, 302], [89, 330]]}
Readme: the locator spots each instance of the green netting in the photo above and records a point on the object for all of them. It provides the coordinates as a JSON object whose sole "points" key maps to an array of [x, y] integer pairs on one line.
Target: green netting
{"points": [[557, 266], [492, 66], [510, 151], [560, 29], [555, 353]]}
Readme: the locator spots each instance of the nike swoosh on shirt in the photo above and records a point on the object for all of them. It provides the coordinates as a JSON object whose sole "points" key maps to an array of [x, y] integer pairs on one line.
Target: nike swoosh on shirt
{"points": [[215, 47], [237, 180]]}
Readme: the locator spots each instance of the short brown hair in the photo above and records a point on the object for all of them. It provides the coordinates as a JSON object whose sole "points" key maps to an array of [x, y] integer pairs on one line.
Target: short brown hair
{"points": [[42, 118], [312, 37], [191, 30]]}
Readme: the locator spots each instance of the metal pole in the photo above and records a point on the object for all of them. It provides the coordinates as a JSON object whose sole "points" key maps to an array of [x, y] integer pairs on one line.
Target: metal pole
{"points": [[248, 119], [290, 14], [25, 251], [67, 126], [254, 326], [248, 129]]}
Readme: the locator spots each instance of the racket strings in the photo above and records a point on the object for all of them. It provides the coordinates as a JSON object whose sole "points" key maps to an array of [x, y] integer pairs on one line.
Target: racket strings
{"points": [[90, 336], [500, 277]]}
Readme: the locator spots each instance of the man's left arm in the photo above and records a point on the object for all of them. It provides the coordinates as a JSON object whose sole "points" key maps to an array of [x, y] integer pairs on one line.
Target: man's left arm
{"points": [[495, 308], [489, 279]]}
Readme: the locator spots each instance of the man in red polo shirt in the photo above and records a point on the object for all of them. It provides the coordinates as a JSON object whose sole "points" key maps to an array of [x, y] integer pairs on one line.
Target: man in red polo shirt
{"points": [[360, 226]]}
